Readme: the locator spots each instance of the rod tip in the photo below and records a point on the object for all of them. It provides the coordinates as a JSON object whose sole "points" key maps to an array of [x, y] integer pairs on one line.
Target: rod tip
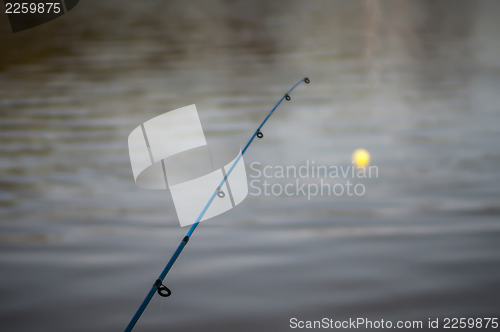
{"points": [[307, 80]]}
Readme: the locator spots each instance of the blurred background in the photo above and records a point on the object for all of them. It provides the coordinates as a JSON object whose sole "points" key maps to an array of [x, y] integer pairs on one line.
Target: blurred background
{"points": [[413, 82]]}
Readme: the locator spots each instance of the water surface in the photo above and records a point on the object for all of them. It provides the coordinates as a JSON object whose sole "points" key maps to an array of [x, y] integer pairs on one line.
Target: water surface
{"points": [[414, 83]]}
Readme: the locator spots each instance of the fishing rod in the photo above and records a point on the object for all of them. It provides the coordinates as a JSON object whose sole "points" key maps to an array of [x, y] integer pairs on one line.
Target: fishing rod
{"points": [[158, 285]]}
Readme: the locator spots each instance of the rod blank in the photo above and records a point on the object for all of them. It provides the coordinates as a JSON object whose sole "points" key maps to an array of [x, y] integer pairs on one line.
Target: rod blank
{"points": [[158, 284]]}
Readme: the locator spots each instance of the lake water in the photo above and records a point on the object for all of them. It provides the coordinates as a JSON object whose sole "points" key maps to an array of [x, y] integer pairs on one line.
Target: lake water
{"points": [[414, 83]]}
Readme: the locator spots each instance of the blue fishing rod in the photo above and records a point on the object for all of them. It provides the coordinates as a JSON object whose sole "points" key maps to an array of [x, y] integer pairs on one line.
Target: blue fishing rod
{"points": [[158, 285]]}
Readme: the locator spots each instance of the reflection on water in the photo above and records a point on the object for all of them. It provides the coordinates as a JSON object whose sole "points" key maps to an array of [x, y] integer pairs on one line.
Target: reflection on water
{"points": [[414, 83], [416, 89]]}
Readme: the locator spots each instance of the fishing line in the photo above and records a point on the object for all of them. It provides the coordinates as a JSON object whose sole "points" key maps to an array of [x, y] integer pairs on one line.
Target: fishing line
{"points": [[158, 286]]}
